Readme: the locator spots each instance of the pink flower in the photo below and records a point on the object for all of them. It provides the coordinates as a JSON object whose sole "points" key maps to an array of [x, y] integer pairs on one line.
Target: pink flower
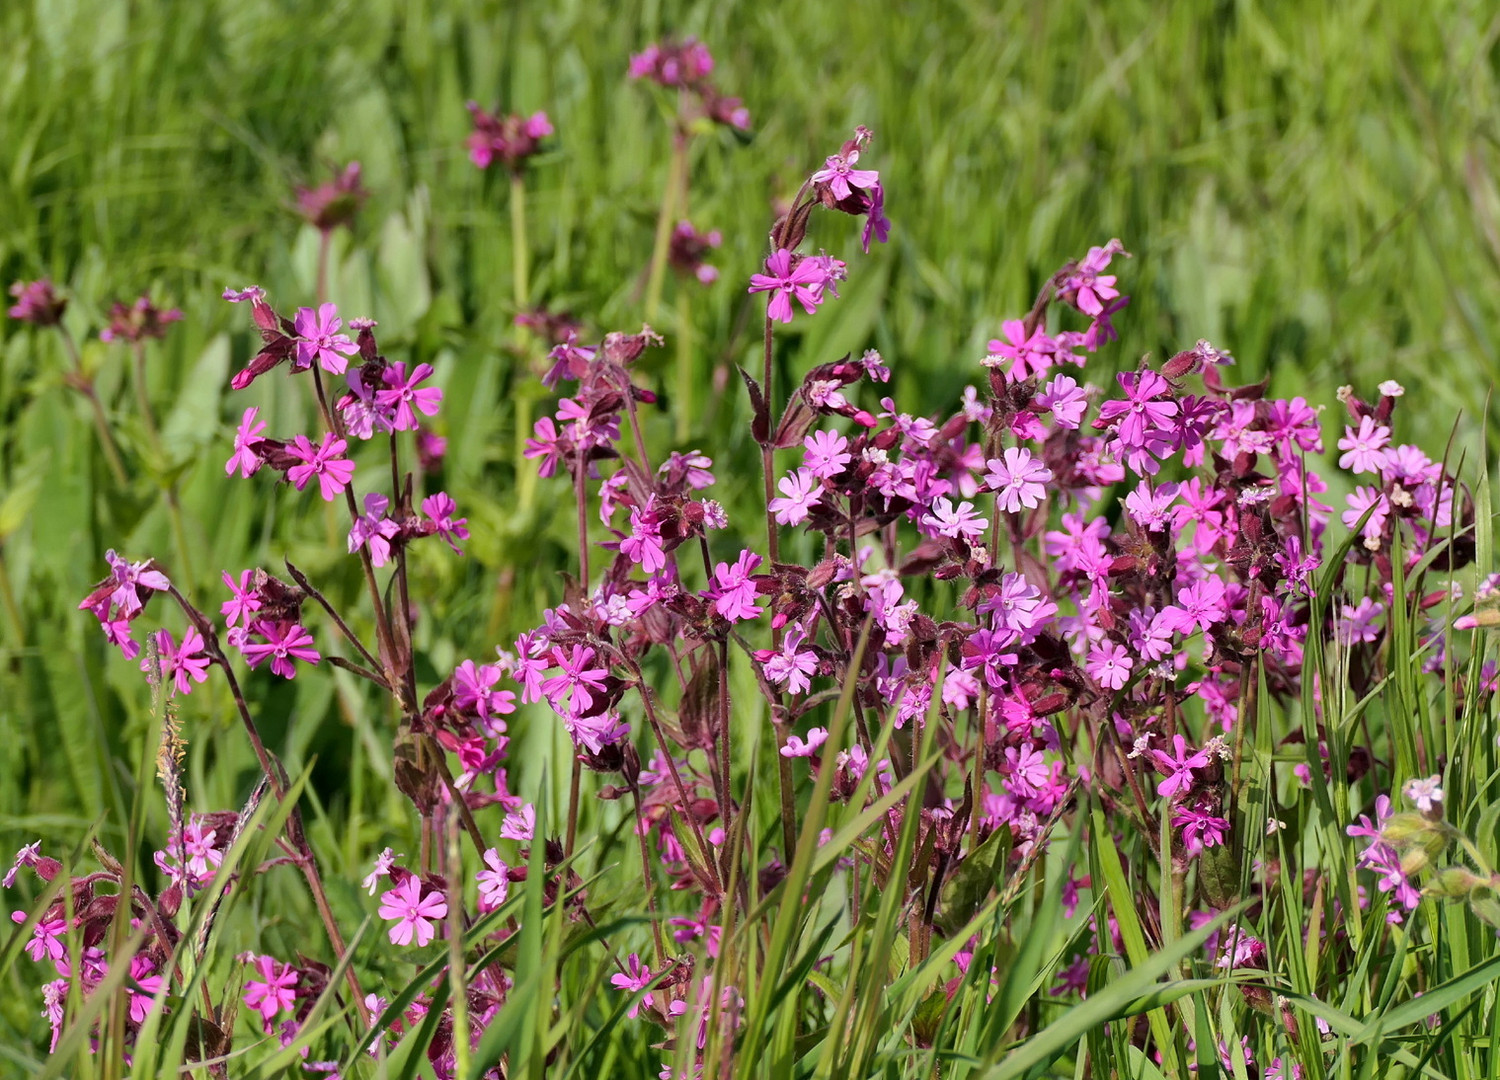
{"points": [[1066, 400], [1198, 607], [1178, 766], [959, 522], [46, 938], [246, 439], [1359, 622], [1018, 480], [414, 913], [1364, 449], [1028, 354], [404, 395], [1091, 288], [793, 664], [801, 492], [333, 471], [578, 681], [321, 341], [1200, 829], [146, 985], [273, 992], [1151, 509], [839, 173], [494, 883], [382, 868], [796, 747], [284, 643], [244, 599], [185, 665], [733, 592], [1109, 665], [785, 280], [440, 509], [643, 546], [636, 977], [473, 691], [546, 444], [520, 825], [374, 530], [826, 454]]}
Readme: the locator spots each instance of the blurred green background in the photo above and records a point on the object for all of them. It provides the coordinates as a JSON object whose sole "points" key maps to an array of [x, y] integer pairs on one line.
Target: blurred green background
{"points": [[1312, 187]]}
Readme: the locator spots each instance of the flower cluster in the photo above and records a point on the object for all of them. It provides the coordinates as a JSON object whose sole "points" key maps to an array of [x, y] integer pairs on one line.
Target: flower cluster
{"points": [[687, 66], [510, 140]]}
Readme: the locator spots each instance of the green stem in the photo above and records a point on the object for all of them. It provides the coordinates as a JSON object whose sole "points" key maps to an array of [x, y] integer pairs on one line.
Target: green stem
{"points": [[519, 252], [8, 599], [142, 399], [676, 173], [685, 406], [85, 386]]}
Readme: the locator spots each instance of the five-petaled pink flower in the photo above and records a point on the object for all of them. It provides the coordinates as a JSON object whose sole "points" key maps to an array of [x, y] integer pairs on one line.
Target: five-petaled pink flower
{"points": [[404, 394], [1178, 766], [182, 665], [785, 279], [636, 977], [1109, 665], [324, 461], [571, 692], [414, 913], [960, 522], [839, 173], [1364, 450], [373, 530], [1018, 480], [320, 340], [284, 643], [733, 591], [1029, 354], [440, 509], [273, 991], [246, 439], [800, 493]]}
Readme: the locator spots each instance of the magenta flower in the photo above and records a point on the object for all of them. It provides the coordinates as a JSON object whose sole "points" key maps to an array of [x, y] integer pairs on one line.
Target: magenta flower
{"points": [[877, 225], [320, 339], [733, 592], [473, 690], [1198, 607], [578, 681], [1091, 288], [1200, 829], [546, 444], [1178, 766], [643, 546], [1024, 771], [46, 938], [839, 173], [1151, 509], [1109, 665], [800, 491], [244, 599], [788, 276], [1028, 355], [1359, 622], [960, 522], [245, 457], [374, 530], [273, 992], [1017, 480], [1364, 449], [413, 912], [825, 454], [334, 472], [138, 321], [285, 642], [183, 666], [1066, 400], [146, 984], [636, 977], [404, 395], [494, 882], [1141, 413], [1360, 500], [792, 664], [440, 509], [37, 302], [519, 825]]}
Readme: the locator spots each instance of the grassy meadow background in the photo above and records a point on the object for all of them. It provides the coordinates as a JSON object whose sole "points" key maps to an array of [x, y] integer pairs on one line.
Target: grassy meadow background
{"points": [[1314, 188]]}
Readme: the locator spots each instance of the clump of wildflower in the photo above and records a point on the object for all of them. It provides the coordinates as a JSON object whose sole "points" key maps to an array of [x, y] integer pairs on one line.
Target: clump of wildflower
{"points": [[511, 140]]}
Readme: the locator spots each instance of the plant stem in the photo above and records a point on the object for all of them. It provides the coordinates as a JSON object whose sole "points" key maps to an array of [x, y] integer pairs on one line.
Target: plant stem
{"points": [[662, 246], [520, 253], [685, 406], [85, 386]]}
